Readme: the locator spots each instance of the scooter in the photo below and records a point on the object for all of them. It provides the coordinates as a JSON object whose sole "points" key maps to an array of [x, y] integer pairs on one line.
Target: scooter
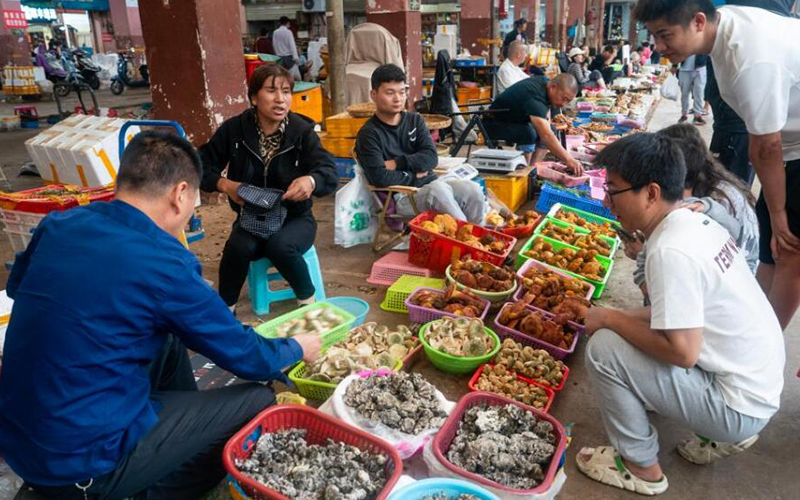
{"points": [[122, 79], [86, 67], [53, 70]]}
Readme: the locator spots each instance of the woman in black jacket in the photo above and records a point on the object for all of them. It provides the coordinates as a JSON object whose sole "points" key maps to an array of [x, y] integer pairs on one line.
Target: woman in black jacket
{"points": [[269, 146]]}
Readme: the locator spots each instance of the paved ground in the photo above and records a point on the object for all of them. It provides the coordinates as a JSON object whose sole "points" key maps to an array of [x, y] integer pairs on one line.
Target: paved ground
{"points": [[767, 471]]}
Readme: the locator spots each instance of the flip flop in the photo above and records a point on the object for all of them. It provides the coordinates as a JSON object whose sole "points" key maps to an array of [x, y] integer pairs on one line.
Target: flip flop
{"points": [[605, 466]]}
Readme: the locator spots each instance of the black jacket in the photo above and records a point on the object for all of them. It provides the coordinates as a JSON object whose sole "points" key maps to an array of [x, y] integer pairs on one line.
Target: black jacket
{"points": [[235, 145]]}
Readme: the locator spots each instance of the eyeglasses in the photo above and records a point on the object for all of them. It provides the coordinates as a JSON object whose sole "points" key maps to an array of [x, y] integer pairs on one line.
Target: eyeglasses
{"points": [[611, 193]]}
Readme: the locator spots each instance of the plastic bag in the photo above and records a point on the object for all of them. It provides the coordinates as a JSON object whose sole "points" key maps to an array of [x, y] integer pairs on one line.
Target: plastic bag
{"points": [[405, 444], [437, 469], [354, 213], [671, 88]]}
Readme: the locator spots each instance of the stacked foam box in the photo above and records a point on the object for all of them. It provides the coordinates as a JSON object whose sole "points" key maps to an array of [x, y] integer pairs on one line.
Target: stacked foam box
{"points": [[82, 150]]}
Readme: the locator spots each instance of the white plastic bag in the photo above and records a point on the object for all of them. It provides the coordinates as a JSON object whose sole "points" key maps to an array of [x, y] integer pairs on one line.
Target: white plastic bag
{"points": [[671, 88], [437, 469], [405, 444], [354, 214]]}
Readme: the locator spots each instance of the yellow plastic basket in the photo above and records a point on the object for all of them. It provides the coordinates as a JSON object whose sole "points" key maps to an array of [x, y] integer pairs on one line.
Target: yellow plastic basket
{"points": [[396, 295]]}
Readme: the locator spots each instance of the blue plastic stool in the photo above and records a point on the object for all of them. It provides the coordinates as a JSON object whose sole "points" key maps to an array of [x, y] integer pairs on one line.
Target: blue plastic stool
{"points": [[259, 277]]}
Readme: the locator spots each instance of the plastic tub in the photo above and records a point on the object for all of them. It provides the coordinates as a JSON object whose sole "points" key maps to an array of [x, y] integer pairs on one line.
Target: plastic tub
{"points": [[457, 364], [527, 341], [396, 295], [613, 242], [553, 171], [355, 306], [320, 427], [418, 314], [529, 263], [452, 488], [332, 336], [606, 263], [490, 296], [319, 391], [550, 393], [588, 216], [556, 352], [445, 436]]}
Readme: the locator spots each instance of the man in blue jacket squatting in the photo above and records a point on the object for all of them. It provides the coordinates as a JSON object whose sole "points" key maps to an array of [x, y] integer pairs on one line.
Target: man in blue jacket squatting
{"points": [[97, 398]]}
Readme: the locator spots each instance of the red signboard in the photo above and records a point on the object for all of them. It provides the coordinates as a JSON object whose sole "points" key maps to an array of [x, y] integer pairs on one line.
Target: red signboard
{"points": [[14, 20], [108, 37]]}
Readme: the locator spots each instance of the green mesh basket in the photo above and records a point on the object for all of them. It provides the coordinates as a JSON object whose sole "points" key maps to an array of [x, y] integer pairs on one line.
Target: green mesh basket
{"points": [[319, 391], [332, 336], [396, 295]]}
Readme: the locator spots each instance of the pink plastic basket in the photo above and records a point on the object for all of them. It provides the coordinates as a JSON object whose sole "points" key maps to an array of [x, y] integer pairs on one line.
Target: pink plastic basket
{"points": [[597, 179], [553, 171], [424, 315], [557, 352], [391, 266], [446, 435]]}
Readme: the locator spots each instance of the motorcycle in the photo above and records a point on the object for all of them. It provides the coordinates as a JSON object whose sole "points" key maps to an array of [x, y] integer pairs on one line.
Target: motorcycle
{"points": [[122, 79], [54, 70], [86, 67]]}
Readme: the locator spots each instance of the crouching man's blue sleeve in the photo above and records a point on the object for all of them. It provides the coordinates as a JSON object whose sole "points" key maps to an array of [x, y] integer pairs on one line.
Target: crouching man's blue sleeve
{"points": [[194, 312]]}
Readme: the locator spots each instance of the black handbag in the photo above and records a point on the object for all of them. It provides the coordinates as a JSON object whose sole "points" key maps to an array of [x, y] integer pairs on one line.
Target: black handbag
{"points": [[262, 214]]}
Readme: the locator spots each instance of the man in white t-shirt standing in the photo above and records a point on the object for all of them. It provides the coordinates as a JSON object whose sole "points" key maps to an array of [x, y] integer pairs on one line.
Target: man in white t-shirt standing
{"points": [[709, 352], [509, 72], [756, 58]]}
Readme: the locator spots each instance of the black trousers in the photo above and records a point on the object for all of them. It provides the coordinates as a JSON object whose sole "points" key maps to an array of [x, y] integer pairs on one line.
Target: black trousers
{"points": [[181, 457], [733, 150], [284, 249], [517, 133]]}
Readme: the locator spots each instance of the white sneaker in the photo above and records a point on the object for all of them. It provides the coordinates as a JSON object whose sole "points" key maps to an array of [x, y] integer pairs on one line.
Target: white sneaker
{"points": [[702, 451]]}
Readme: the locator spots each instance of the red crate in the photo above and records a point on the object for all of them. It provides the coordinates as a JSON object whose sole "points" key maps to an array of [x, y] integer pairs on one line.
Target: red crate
{"points": [[320, 427], [549, 391], [445, 436], [436, 251]]}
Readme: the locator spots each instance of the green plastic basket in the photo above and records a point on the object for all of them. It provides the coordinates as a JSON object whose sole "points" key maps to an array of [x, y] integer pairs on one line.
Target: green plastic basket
{"points": [[593, 218], [613, 242], [332, 336], [319, 391], [396, 295], [490, 296], [607, 264], [455, 364]]}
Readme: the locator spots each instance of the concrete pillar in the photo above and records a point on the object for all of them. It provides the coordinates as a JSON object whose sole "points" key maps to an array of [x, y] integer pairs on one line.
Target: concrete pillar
{"points": [[405, 24], [127, 24], [476, 22], [203, 83], [14, 46]]}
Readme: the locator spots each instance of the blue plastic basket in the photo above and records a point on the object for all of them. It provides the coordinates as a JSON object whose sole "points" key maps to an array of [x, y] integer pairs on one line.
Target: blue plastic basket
{"points": [[451, 487], [355, 306], [344, 166], [551, 195]]}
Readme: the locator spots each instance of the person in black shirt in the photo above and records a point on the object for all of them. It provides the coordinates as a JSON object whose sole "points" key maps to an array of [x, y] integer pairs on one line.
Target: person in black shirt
{"points": [[394, 148], [602, 63], [518, 33], [526, 122]]}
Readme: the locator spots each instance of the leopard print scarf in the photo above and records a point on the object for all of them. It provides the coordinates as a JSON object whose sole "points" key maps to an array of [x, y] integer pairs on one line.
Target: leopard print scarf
{"points": [[268, 144]]}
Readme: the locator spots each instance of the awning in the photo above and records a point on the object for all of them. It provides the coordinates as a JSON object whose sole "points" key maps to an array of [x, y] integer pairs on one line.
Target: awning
{"points": [[100, 5]]}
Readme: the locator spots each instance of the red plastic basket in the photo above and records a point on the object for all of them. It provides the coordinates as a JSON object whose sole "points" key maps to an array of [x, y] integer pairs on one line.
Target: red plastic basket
{"points": [[418, 314], [550, 392], [436, 251], [528, 341], [446, 435], [556, 352], [521, 231], [320, 427], [36, 201]]}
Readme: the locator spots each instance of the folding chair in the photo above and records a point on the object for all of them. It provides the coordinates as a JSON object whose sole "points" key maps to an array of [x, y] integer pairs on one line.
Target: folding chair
{"points": [[389, 221]]}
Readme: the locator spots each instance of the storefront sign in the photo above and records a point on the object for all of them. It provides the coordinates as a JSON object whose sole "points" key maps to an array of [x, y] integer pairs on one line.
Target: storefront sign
{"points": [[107, 37], [14, 19]]}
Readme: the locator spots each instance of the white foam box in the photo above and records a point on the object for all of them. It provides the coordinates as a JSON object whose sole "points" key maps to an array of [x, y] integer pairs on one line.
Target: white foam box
{"points": [[81, 150]]}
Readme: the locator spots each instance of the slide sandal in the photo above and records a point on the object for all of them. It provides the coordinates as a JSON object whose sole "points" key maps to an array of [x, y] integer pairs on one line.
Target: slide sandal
{"points": [[605, 466]]}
